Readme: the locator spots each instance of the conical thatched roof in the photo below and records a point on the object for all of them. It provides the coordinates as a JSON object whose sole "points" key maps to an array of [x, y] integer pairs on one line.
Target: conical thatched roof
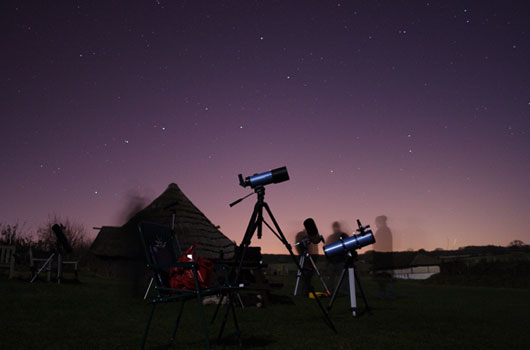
{"points": [[191, 225], [110, 242]]}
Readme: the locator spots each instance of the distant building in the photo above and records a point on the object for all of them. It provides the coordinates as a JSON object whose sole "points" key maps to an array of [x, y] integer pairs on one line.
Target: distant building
{"points": [[409, 265]]}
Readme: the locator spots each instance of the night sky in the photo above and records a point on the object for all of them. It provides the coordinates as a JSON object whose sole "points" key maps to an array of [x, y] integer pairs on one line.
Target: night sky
{"points": [[416, 110]]}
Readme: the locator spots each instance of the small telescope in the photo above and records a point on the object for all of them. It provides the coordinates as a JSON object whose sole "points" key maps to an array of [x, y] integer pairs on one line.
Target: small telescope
{"points": [[270, 177], [357, 241], [61, 240], [312, 234]]}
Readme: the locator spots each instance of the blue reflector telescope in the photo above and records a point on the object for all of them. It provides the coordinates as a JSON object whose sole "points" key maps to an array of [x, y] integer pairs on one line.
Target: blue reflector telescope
{"points": [[357, 241], [270, 177]]}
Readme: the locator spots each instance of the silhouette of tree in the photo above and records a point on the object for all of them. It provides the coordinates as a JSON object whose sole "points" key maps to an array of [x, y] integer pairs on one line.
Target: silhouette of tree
{"points": [[517, 243], [75, 232], [14, 234]]}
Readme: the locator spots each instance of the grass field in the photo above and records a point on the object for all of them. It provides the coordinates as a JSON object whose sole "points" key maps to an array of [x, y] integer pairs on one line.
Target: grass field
{"points": [[101, 314]]}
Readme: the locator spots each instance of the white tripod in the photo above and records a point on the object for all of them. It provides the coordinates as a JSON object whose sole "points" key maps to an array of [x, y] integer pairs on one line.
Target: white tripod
{"points": [[304, 256], [353, 279]]}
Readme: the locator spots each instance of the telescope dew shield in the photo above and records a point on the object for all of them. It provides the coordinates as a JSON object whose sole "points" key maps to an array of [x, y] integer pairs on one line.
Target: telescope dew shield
{"points": [[352, 243], [270, 177], [312, 231], [61, 238]]}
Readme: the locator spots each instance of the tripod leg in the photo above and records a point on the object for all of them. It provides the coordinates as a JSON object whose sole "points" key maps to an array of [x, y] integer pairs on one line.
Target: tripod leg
{"points": [[148, 288], [59, 268], [318, 274], [324, 312], [337, 287], [282, 238], [219, 303], [298, 275], [225, 318], [259, 222], [240, 300], [365, 300], [49, 270], [42, 267], [353, 296], [251, 228]]}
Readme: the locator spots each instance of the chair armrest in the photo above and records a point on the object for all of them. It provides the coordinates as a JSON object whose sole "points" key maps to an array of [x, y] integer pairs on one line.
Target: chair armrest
{"points": [[185, 265]]}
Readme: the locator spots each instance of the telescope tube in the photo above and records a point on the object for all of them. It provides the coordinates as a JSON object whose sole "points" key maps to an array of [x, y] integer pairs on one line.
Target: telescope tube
{"points": [[351, 243]]}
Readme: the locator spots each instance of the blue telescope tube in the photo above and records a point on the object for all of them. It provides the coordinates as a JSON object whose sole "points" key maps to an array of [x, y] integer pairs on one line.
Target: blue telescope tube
{"points": [[259, 179], [351, 243]]}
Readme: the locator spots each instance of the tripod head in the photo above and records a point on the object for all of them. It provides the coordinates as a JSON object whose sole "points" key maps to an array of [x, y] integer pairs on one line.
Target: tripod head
{"points": [[306, 242], [260, 191]]}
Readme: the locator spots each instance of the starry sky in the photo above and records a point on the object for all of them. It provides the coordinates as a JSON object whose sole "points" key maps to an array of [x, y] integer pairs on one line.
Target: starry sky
{"points": [[416, 110]]}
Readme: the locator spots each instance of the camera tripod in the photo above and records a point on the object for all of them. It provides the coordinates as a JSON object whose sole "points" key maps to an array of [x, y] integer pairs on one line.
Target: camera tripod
{"points": [[353, 278], [48, 265], [62, 246], [256, 224], [305, 255]]}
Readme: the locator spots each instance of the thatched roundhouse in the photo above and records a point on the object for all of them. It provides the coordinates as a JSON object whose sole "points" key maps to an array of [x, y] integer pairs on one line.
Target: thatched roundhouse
{"points": [[117, 245]]}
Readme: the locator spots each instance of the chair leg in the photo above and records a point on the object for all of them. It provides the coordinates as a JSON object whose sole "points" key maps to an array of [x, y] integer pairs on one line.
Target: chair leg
{"points": [[148, 325], [203, 320], [172, 339]]}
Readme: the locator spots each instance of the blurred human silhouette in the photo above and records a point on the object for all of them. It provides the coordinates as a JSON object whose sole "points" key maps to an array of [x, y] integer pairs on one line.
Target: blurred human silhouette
{"points": [[307, 269], [383, 258], [335, 264], [383, 235]]}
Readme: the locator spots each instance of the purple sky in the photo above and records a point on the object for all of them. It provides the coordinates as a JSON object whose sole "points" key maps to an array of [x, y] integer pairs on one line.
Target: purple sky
{"points": [[416, 110]]}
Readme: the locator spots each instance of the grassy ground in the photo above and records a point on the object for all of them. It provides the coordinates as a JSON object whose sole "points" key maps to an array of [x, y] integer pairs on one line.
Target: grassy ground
{"points": [[102, 314]]}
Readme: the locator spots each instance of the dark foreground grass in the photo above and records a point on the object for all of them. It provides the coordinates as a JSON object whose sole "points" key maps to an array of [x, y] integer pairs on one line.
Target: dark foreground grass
{"points": [[102, 314]]}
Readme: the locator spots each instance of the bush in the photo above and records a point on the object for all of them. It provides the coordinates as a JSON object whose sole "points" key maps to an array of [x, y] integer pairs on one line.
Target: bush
{"points": [[14, 235], [75, 232], [43, 241]]}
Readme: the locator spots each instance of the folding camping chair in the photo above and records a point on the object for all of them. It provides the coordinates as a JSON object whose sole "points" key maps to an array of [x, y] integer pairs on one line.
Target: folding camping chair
{"points": [[161, 254]]}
